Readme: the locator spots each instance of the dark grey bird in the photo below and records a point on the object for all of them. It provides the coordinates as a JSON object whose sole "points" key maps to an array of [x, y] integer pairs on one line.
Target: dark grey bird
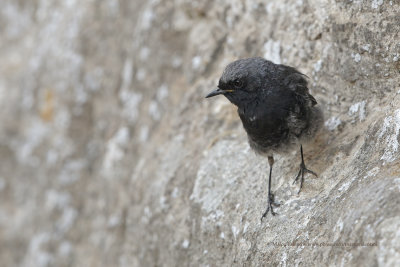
{"points": [[275, 107]]}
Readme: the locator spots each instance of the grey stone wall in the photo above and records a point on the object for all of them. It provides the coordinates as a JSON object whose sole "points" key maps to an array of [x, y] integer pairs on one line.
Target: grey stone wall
{"points": [[110, 155]]}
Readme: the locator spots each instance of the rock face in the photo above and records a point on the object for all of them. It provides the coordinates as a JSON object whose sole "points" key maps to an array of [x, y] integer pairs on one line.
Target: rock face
{"points": [[110, 155]]}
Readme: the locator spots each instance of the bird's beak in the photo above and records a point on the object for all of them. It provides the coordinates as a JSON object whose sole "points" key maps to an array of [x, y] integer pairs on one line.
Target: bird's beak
{"points": [[218, 91]]}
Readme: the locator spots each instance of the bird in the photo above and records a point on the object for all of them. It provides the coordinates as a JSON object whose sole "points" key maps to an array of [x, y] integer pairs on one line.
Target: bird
{"points": [[276, 108]]}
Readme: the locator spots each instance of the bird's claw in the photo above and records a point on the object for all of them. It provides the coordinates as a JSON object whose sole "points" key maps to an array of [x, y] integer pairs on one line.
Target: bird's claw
{"points": [[271, 203], [301, 173]]}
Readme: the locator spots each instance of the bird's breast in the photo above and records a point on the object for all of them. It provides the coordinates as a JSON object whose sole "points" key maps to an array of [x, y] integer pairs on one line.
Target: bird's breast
{"points": [[264, 125]]}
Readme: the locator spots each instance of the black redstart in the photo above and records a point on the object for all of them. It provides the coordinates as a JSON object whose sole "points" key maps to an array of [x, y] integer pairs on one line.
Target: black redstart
{"points": [[276, 109]]}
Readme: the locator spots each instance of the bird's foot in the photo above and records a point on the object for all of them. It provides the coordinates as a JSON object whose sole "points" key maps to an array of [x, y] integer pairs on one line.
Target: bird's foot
{"points": [[271, 203], [301, 173]]}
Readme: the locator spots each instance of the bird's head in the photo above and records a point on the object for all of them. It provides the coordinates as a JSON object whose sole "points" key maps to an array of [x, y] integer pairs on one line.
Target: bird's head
{"points": [[242, 81]]}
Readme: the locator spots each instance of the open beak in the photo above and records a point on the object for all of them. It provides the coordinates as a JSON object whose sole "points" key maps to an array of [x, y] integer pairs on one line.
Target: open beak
{"points": [[218, 91]]}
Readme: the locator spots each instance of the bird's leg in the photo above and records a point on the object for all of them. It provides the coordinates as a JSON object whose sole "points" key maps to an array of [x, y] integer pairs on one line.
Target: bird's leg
{"points": [[271, 201], [302, 170]]}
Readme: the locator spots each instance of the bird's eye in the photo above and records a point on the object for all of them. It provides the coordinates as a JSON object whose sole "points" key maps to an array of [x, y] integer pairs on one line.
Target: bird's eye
{"points": [[237, 83]]}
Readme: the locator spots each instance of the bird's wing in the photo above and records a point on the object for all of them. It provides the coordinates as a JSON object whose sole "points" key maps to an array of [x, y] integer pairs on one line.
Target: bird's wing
{"points": [[297, 82], [298, 113]]}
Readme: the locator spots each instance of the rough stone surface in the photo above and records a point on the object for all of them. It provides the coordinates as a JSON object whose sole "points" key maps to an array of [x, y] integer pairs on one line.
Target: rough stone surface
{"points": [[110, 155]]}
